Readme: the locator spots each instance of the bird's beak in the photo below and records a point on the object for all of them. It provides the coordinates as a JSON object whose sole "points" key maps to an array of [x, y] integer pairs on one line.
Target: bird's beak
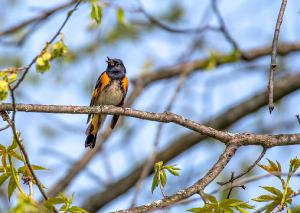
{"points": [[110, 61]]}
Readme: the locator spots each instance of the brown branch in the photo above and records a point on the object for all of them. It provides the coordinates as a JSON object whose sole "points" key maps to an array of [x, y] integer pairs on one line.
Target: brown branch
{"points": [[195, 188], [298, 118], [166, 117], [248, 170], [35, 19], [172, 29], [200, 64], [26, 69], [274, 54], [284, 87], [223, 28]]}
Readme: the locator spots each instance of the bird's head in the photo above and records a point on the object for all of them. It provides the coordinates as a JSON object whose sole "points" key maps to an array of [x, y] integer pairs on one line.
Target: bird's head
{"points": [[115, 67]]}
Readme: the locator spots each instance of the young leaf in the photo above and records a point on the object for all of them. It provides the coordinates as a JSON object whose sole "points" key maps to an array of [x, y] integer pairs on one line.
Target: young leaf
{"points": [[4, 177], [273, 190], [264, 198], [155, 181], [76, 209], [11, 187], [96, 13], [3, 90], [120, 15]]}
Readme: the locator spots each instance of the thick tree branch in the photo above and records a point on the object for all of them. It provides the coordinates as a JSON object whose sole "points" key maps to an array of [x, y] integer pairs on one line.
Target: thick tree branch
{"points": [[221, 59], [274, 54], [195, 188], [283, 87]]}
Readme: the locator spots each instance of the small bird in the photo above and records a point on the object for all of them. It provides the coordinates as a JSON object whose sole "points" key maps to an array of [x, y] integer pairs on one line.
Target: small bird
{"points": [[111, 89]]}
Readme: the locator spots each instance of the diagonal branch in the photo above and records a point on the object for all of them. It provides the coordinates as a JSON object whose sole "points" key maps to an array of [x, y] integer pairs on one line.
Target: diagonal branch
{"points": [[262, 154], [35, 19], [26, 69], [284, 86], [274, 54], [188, 192]]}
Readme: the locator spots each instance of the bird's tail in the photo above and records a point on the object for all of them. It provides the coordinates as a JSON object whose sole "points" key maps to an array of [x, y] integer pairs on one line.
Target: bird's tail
{"points": [[92, 130]]}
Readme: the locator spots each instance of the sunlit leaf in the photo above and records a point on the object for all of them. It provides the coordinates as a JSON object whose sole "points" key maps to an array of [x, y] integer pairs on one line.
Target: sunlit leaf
{"points": [[120, 15], [3, 90], [11, 187], [4, 177], [96, 13]]}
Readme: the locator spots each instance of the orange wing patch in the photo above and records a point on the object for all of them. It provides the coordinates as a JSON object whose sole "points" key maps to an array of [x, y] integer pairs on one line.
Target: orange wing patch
{"points": [[125, 84], [102, 82], [105, 80]]}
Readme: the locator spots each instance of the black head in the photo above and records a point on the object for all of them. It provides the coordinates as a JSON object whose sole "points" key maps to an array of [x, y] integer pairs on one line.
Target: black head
{"points": [[115, 68]]}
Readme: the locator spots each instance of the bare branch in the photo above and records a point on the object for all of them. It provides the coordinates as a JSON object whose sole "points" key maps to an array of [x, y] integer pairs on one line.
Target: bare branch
{"points": [[274, 54], [35, 19], [249, 168], [223, 28]]}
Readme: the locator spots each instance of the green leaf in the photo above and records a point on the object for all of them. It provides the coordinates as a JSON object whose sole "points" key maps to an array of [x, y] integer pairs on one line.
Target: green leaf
{"points": [[195, 210], [37, 167], [96, 13], [273, 190], [11, 187], [14, 144], [43, 62], [163, 178], [172, 169], [59, 48], [155, 181], [212, 199], [76, 209], [4, 161], [265, 198], [272, 206], [53, 201], [16, 155], [4, 177], [120, 15], [3, 90]]}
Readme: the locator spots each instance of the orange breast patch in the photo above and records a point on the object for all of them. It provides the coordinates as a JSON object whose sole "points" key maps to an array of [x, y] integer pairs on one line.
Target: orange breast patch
{"points": [[105, 80]]}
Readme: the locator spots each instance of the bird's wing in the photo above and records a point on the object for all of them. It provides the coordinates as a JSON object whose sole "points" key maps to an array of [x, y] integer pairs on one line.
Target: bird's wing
{"points": [[102, 82]]}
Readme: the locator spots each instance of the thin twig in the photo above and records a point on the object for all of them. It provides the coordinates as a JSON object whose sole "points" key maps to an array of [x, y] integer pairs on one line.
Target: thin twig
{"points": [[49, 42], [248, 170], [273, 64], [11, 122], [298, 118], [223, 26], [35, 19], [172, 29]]}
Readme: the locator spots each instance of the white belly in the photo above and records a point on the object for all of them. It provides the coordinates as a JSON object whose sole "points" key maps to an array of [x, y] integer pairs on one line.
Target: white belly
{"points": [[111, 95]]}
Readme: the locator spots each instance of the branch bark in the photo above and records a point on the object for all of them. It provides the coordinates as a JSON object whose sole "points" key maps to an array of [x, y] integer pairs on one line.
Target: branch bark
{"points": [[283, 87], [273, 64]]}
